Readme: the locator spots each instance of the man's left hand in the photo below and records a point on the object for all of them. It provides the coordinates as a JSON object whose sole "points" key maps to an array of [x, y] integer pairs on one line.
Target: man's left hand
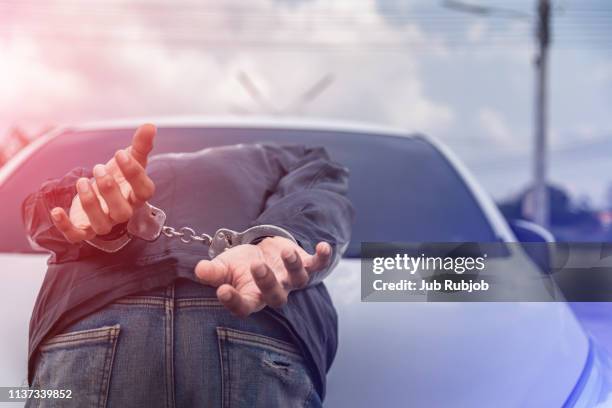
{"points": [[250, 277]]}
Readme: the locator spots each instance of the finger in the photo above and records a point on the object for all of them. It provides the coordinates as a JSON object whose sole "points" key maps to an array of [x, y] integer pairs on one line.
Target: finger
{"points": [[142, 143], [297, 275], [213, 273], [321, 259], [99, 221], [142, 186], [62, 223], [234, 301], [272, 292], [119, 209]]}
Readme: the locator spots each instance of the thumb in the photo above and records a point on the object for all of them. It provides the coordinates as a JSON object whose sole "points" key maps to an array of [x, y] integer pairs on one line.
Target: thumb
{"points": [[142, 143], [213, 273]]}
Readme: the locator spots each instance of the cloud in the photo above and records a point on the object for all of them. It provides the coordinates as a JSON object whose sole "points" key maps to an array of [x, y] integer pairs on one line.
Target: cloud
{"points": [[30, 90], [122, 59]]}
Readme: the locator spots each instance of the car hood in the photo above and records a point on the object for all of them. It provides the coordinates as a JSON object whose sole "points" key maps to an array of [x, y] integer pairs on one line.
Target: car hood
{"points": [[22, 276], [451, 354]]}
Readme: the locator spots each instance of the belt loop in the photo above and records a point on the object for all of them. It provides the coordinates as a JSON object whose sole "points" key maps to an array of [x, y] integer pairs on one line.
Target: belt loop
{"points": [[169, 344]]}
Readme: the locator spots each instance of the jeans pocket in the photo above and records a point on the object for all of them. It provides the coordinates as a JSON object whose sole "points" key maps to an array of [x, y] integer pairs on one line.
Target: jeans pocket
{"points": [[79, 362], [260, 371]]}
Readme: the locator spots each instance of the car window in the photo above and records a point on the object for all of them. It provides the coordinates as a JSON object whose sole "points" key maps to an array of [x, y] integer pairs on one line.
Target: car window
{"points": [[402, 188]]}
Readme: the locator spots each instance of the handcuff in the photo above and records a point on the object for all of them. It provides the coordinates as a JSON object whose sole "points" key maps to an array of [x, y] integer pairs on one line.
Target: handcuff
{"points": [[148, 223]]}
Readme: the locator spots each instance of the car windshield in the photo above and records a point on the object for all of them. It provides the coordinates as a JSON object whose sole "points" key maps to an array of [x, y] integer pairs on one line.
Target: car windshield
{"points": [[402, 188]]}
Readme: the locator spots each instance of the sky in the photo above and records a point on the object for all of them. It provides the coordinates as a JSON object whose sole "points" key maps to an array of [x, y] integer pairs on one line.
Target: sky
{"points": [[462, 78]]}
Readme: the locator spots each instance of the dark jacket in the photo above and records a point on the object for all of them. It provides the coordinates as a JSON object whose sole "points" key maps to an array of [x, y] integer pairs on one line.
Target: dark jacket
{"points": [[236, 187]]}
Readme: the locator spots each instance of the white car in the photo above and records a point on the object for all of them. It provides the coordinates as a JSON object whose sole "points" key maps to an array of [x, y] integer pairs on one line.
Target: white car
{"points": [[405, 188]]}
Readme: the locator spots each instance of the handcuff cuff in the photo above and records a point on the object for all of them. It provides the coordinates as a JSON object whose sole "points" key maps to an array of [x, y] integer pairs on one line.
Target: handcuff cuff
{"points": [[148, 223]]}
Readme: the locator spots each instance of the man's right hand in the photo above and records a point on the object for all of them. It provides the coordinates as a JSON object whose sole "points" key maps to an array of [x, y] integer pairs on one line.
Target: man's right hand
{"points": [[119, 187]]}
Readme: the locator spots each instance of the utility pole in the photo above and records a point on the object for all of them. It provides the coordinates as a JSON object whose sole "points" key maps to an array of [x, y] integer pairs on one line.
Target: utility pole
{"points": [[541, 202], [539, 194]]}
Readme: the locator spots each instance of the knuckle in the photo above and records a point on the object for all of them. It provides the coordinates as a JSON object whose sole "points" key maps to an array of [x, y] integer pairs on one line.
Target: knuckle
{"points": [[88, 201], [131, 170], [142, 193], [294, 264], [65, 229], [123, 214], [151, 190], [88, 205], [147, 190], [106, 185], [265, 282], [59, 223], [129, 212], [295, 268]]}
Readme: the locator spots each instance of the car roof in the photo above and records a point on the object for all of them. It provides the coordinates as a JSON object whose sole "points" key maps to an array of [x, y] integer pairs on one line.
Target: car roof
{"points": [[257, 122]]}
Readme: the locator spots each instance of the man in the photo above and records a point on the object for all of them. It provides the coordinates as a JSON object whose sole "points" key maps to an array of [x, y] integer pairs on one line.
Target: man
{"points": [[126, 322]]}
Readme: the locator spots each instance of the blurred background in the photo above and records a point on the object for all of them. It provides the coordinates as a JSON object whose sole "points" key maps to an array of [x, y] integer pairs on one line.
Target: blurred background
{"points": [[462, 72]]}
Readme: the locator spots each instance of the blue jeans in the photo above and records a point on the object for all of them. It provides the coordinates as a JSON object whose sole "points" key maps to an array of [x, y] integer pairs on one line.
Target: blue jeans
{"points": [[174, 347]]}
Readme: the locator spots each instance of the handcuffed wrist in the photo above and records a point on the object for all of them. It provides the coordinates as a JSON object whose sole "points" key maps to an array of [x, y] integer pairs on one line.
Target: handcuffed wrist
{"points": [[268, 231], [110, 246]]}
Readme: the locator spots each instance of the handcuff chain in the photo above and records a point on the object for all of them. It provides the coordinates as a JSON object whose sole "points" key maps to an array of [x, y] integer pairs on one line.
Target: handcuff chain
{"points": [[186, 235], [149, 222]]}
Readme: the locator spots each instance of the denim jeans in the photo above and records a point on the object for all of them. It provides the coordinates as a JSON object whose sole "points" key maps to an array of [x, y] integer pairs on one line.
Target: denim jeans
{"points": [[174, 347]]}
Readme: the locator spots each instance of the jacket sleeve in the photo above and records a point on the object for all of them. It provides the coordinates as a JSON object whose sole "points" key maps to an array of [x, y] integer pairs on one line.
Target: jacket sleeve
{"points": [[310, 201], [39, 227]]}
